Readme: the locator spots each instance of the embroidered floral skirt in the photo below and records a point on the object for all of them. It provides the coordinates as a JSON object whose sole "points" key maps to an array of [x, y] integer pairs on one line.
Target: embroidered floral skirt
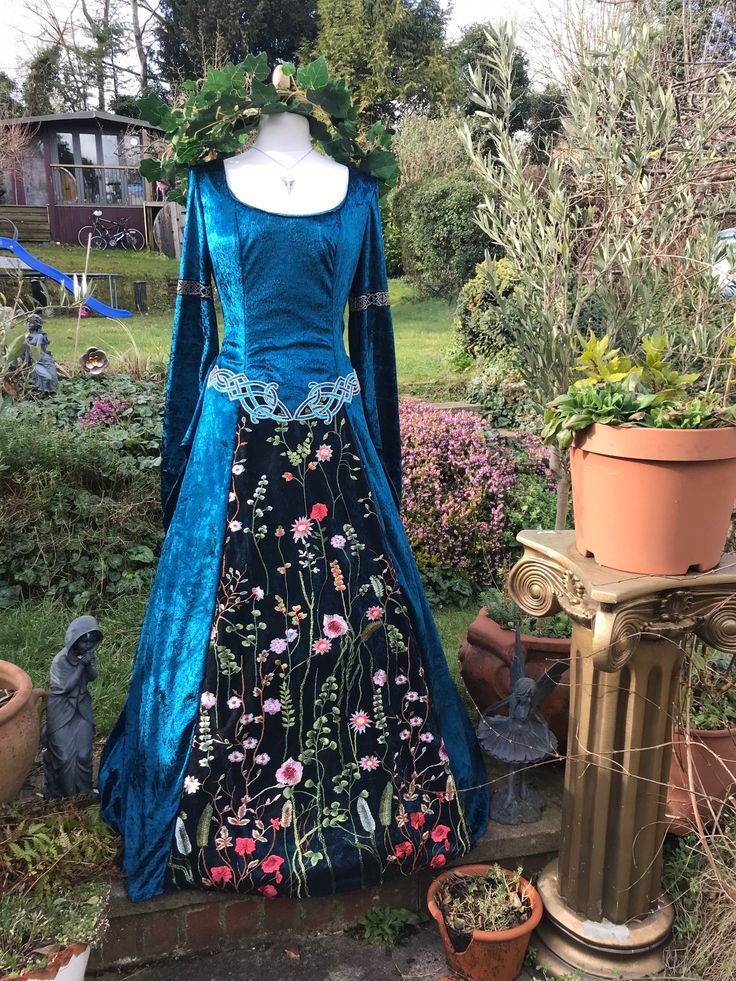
{"points": [[316, 764]]}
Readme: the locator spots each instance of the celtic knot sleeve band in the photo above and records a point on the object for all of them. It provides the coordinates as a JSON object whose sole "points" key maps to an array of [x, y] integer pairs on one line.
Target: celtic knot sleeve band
{"points": [[365, 300], [192, 287]]}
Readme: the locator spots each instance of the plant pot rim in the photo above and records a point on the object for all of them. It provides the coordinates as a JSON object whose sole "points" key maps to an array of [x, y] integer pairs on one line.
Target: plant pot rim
{"points": [[648, 443], [529, 640], [708, 733], [21, 685], [488, 936], [57, 960]]}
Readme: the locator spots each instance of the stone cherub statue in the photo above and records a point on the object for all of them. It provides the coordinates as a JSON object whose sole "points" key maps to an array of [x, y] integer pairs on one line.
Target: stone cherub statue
{"points": [[69, 721], [38, 358], [519, 738]]}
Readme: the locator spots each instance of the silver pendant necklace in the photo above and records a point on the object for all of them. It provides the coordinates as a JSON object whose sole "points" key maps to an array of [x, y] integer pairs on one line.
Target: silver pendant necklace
{"points": [[287, 180]]}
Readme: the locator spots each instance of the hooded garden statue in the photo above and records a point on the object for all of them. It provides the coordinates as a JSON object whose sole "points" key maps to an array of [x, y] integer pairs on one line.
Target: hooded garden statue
{"points": [[69, 722]]}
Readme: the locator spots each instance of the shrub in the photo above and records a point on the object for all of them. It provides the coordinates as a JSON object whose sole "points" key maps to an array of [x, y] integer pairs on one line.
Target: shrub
{"points": [[467, 492], [440, 242], [479, 327], [499, 389]]}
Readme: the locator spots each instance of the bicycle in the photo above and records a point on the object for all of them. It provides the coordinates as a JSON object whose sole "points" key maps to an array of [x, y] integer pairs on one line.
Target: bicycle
{"points": [[109, 234]]}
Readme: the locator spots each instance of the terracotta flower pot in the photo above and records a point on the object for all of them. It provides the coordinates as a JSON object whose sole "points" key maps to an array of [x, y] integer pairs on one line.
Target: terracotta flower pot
{"points": [[20, 729], [69, 964], [714, 774], [485, 658], [653, 501], [490, 955]]}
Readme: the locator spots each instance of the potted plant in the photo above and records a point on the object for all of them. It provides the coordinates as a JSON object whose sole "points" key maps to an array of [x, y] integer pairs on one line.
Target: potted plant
{"points": [[20, 711], [704, 744], [47, 937], [485, 655], [652, 459], [485, 916]]}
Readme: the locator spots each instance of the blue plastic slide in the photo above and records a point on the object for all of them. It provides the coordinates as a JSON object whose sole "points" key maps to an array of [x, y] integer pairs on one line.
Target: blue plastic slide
{"points": [[59, 277]]}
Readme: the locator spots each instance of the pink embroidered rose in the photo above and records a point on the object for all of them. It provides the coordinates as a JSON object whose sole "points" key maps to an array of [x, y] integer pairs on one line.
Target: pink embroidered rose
{"points": [[269, 891], [438, 861], [207, 699], [380, 678], [403, 849], [318, 512], [333, 625], [416, 819], [289, 773]]}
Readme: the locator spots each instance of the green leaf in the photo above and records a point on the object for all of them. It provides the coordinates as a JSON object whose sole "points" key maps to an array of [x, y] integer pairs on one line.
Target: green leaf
{"points": [[314, 75]]}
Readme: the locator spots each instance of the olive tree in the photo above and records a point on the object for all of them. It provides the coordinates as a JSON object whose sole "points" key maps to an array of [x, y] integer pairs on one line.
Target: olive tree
{"points": [[617, 229]]}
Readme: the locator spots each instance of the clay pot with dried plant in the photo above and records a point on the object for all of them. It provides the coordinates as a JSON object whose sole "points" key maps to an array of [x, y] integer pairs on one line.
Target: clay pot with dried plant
{"points": [[485, 915]]}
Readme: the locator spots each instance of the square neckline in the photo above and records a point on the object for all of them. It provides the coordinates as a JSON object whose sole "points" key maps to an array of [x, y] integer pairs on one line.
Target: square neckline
{"points": [[285, 214]]}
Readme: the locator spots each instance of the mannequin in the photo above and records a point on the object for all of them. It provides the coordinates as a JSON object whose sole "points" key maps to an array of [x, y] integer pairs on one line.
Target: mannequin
{"points": [[278, 173]]}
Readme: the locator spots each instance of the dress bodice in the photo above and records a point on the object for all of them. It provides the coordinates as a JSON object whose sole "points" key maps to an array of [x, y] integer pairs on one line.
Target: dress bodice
{"points": [[283, 282]]}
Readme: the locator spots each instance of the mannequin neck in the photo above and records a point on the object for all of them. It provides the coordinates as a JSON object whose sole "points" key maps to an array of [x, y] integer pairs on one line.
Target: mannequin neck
{"points": [[286, 132]]}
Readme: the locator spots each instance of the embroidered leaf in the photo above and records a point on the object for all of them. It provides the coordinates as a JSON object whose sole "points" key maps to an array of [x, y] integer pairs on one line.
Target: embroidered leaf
{"points": [[288, 719], [364, 813], [384, 810], [182, 838], [287, 812], [377, 586], [203, 826], [450, 788]]}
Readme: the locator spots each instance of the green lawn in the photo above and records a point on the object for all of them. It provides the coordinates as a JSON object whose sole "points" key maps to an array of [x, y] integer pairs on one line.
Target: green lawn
{"points": [[423, 328]]}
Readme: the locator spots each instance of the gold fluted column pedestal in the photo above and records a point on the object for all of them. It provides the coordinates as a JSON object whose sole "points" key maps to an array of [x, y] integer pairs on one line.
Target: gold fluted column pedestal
{"points": [[605, 916]]}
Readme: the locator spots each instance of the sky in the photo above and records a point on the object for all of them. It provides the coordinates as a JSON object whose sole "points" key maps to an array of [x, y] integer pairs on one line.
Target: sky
{"points": [[19, 30]]}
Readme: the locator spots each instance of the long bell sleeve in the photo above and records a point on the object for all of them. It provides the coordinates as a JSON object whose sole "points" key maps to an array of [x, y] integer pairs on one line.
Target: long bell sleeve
{"points": [[194, 347], [371, 347]]}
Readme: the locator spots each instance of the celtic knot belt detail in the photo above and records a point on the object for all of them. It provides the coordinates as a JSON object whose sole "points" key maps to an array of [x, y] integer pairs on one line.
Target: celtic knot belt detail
{"points": [[261, 400]]}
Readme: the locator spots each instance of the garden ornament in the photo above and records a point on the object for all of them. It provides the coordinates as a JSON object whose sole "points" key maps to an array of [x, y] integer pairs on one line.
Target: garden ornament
{"points": [[69, 721], [521, 737], [38, 358]]}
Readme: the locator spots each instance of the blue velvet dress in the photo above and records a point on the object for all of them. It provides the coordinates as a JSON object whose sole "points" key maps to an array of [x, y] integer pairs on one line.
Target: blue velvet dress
{"points": [[291, 726]]}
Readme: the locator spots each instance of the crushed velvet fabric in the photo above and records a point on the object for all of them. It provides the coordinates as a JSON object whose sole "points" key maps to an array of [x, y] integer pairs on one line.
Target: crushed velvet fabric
{"points": [[284, 283]]}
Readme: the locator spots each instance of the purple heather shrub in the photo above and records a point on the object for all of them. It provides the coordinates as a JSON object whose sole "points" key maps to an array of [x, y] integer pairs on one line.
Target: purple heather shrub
{"points": [[458, 476], [104, 411]]}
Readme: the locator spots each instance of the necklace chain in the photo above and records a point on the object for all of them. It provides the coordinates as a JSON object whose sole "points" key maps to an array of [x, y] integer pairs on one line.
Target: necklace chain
{"points": [[287, 181]]}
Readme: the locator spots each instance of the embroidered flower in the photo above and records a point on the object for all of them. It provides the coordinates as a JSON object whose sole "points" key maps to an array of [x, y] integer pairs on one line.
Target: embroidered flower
{"points": [[291, 634], [271, 891], [301, 529], [246, 719], [234, 702], [287, 475], [412, 696], [415, 720], [440, 832], [334, 625], [276, 823], [338, 541], [369, 762], [262, 759], [321, 646], [257, 592], [438, 861], [191, 785], [221, 873], [360, 721], [231, 496], [289, 773], [416, 820], [271, 706], [318, 512], [401, 679], [207, 699], [337, 576], [235, 525], [245, 846], [403, 849], [278, 645], [405, 733], [235, 757], [311, 465], [250, 743], [443, 752], [238, 468], [279, 533], [324, 452], [380, 678], [426, 737], [375, 613]]}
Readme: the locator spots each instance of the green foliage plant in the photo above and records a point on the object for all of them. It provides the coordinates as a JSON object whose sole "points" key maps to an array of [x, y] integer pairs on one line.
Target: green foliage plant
{"points": [[647, 392], [507, 614], [387, 925], [221, 111], [708, 696], [623, 215]]}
